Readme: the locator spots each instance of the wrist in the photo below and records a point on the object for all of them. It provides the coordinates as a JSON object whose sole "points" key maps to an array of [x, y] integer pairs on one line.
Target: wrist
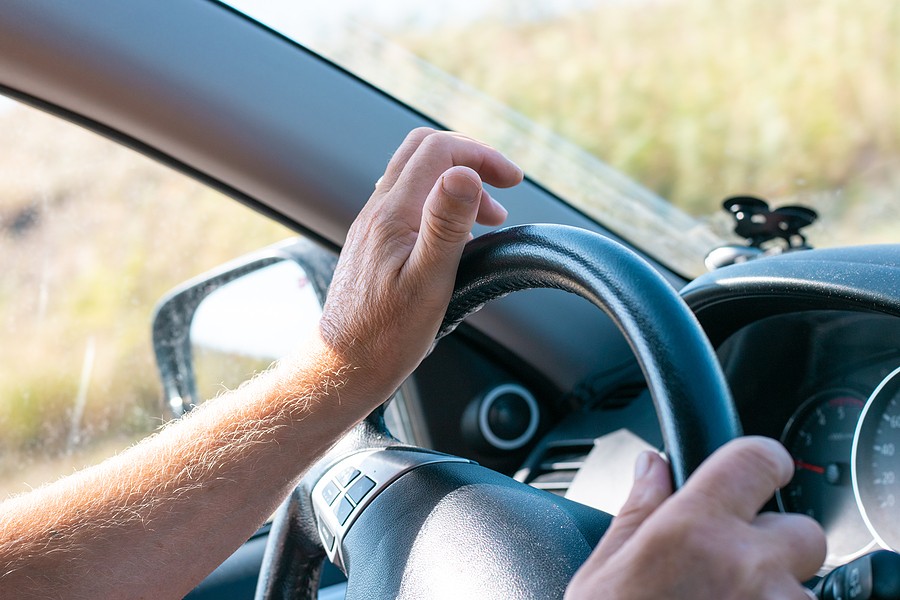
{"points": [[375, 363], [323, 374]]}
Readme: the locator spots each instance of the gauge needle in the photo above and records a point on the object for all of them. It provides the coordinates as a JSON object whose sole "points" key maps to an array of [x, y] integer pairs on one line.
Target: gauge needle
{"points": [[805, 465]]}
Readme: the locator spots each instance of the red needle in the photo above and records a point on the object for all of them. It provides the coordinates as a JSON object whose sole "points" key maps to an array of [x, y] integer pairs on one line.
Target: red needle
{"points": [[805, 465]]}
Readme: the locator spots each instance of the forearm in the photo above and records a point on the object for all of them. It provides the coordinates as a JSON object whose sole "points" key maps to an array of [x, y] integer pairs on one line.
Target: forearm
{"points": [[181, 501], [156, 519]]}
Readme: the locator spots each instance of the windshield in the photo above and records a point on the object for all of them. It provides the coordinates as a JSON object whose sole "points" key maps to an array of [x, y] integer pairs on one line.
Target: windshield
{"points": [[647, 114]]}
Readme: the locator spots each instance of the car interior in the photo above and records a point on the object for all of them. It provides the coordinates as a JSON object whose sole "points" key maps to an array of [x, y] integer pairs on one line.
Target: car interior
{"points": [[567, 348]]}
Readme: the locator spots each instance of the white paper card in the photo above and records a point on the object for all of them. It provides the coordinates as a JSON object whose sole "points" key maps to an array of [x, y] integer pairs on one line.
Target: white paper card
{"points": [[605, 478]]}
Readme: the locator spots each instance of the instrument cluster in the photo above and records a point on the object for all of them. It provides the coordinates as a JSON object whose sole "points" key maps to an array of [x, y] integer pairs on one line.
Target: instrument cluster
{"points": [[844, 446], [827, 384]]}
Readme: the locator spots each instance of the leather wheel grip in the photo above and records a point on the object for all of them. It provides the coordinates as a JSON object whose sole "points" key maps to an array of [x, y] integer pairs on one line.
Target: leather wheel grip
{"points": [[692, 399]]}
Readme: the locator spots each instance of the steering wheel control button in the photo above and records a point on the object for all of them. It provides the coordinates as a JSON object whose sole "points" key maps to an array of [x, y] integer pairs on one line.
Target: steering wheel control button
{"points": [[871, 577], [347, 475], [366, 473], [343, 510], [359, 490], [330, 492], [327, 537]]}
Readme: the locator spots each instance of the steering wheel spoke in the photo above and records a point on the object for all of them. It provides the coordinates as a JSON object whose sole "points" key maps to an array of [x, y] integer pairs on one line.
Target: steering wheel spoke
{"points": [[349, 486]]}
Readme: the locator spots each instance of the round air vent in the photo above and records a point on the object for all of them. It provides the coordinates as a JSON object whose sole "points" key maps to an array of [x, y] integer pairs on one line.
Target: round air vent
{"points": [[508, 417]]}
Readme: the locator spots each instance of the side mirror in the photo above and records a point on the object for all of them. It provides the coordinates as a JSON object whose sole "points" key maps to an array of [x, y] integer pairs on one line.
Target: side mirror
{"points": [[218, 329]]}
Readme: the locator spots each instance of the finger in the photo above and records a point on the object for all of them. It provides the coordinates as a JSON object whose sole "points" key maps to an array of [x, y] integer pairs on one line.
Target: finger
{"points": [[490, 212], [442, 150], [447, 220], [797, 541], [741, 476], [652, 485], [398, 161], [785, 588]]}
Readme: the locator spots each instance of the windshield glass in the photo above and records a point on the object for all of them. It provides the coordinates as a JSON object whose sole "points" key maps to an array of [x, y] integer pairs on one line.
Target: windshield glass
{"points": [[647, 114]]}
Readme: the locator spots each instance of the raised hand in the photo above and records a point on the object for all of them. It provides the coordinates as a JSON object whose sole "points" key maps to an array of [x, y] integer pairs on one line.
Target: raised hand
{"points": [[398, 266]]}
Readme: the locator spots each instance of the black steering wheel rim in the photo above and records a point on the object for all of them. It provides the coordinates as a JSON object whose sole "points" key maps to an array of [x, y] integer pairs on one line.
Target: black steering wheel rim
{"points": [[689, 391]]}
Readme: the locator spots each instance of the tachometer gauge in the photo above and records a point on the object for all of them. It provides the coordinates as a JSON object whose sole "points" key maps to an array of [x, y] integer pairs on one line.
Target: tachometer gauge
{"points": [[876, 462], [820, 439]]}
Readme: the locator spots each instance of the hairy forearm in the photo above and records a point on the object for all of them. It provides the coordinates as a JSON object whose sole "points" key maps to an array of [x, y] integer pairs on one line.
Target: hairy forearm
{"points": [[181, 501], [154, 520]]}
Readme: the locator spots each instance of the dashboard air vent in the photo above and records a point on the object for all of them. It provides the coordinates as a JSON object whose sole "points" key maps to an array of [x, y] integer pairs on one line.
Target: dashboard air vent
{"points": [[555, 468]]}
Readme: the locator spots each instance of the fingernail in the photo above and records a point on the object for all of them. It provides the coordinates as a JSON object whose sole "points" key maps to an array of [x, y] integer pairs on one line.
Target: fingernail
{"points": [[643, 464], [460, 187]]}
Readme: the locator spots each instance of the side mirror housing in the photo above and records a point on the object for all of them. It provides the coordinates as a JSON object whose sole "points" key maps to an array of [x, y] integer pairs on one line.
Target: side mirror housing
{"points": [[252, 310]]}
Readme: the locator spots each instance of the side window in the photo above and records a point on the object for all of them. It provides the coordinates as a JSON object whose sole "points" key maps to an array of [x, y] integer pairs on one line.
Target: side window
{"points": [[91, 236]]}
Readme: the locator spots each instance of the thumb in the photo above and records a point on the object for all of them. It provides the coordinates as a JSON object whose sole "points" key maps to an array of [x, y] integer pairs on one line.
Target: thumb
{"points": [[652, 485], [447, 219]]}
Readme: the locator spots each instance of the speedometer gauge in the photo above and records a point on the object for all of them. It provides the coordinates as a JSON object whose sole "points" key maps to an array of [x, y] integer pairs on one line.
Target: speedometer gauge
{"points": [[820, 438], [876, 462]]}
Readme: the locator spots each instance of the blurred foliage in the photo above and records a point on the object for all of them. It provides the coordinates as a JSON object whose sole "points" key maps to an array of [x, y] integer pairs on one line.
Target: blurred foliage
{"points": [[91, 236], [793, 100]]}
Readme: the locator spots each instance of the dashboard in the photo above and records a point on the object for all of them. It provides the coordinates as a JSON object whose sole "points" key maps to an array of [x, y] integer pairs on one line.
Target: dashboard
{"points": [[810, 345]]}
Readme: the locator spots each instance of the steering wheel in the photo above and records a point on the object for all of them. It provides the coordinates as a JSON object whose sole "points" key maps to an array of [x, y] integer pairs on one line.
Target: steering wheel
{"points": [[405, 522]]}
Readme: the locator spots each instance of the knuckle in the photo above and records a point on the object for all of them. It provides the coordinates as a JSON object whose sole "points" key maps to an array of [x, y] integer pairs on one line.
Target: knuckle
{"points": [[807, 526], [765, 457], [448, 227], [680, 533], [419, 134], [440, 142], [435, 141], [809, 538], [701, 502], [640, 503]]}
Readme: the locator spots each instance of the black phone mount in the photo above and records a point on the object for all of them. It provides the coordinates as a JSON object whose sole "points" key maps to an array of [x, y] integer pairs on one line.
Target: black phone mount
{"points": [[758, 224]]}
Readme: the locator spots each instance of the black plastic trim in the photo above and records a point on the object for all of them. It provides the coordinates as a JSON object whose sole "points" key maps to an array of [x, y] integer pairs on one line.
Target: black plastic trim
{"points": [[859, 278]]}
